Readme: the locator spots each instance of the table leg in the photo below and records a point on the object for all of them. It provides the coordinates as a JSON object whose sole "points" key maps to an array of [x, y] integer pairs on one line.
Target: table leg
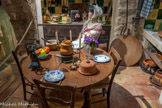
{"points": [[87, 100]]}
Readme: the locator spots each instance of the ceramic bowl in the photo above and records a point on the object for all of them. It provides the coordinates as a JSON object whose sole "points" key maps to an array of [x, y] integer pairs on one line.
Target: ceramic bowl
{"points": [[159, 55]]}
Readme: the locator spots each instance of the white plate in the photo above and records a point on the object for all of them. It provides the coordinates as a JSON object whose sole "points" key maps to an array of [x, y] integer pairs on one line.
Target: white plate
{"points": [[101, 58], [54, 76]]}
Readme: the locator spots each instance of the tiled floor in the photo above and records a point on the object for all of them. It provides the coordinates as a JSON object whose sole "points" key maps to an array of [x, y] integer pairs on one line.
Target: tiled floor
{"points": [[131, 89]]}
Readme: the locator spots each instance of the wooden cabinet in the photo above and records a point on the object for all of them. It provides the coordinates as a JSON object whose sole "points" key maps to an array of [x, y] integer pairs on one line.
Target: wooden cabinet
{"points": [[63, 31]]}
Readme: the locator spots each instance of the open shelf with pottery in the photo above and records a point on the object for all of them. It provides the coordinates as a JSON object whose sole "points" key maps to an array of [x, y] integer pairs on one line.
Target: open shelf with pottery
{"points": [[154, 39], [154, 57]]}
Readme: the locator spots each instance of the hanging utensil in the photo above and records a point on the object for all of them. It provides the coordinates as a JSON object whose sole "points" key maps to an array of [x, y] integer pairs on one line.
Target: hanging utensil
{"points": [[64, 7], [108, 12], [46, 40], [126, 23], [129, 48], [47, 11]]}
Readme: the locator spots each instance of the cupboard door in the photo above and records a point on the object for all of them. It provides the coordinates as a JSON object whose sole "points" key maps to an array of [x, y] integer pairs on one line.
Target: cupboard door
{"points": [[47, 30], [58, 28], [104, 38], [106, 29], [78, 30]]}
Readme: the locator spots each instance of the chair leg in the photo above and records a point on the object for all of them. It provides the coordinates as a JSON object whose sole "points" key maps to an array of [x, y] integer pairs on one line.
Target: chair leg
{"points": [[44, 90], [108, 100], [103, 90], [87, 99], [32, 86], [24, 88], [108, 104], [81, 91]]}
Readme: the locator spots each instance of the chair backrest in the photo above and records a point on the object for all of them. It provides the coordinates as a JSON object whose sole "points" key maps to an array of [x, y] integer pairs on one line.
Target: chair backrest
{"points": [[51, 86], [15, 55], [117, 60]]}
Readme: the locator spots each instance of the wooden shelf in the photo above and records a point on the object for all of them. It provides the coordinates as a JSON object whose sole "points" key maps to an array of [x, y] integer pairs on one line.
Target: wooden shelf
{"points": [[154, 57], [153, 38]]}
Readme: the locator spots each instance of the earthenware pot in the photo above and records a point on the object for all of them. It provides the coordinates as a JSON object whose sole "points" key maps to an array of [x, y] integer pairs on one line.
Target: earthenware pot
{"points": [[149, 66], [149, 62], [66, 47], [158, 74], [87, 67], [159, 55], [44, 19]]}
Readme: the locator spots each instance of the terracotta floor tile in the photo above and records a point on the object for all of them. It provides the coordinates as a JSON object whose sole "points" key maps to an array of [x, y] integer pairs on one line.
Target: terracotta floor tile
{"points": [[123, 90], [2, 82], [14, 103], [113, 92], [123, 79], [113, 102], [129, 102], [136, 71], [148, 92], [122, 70], [151, 103], [159, 91], [36, 101], [141, 80], [131, 89], [100, 90], [19, 92]]}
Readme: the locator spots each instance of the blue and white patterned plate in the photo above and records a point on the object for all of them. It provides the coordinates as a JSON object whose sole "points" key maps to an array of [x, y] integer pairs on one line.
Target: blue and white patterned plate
{"points": [[54, 76], [101, 58]]}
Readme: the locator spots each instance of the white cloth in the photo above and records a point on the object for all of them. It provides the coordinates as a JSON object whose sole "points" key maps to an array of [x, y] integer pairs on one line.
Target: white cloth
{"points": [[97, 11], [94, 31], [76, 43]]}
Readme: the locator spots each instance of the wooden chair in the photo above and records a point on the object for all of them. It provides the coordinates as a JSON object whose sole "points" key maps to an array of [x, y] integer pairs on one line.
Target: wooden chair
{"points": [[25, 81], [107, 83], [57, 101]]}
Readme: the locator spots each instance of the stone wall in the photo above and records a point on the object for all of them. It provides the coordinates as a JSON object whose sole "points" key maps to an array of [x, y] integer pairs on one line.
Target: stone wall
{"points": [[119, 16], [21, 13]]}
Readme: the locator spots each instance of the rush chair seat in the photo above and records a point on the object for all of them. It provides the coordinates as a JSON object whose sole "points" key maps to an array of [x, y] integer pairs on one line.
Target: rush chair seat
{"points": [[107, 83], [25, 81], [60, 96]]}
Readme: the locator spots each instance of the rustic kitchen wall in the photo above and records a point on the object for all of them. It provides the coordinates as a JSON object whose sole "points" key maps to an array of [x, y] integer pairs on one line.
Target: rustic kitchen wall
{"points": [[119, 16], [62, 6], [21, 13], [154, 20]]}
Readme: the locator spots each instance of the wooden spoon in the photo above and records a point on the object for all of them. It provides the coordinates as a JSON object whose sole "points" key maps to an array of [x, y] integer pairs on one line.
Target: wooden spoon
{"points": [[46, 40]]}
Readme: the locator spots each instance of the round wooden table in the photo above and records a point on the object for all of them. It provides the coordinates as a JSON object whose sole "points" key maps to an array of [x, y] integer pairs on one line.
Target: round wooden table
{"points": [[72, 78]]}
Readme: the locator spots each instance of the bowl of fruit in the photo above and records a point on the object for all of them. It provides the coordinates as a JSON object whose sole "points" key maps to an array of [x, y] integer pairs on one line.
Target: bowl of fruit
{"points": [[43, 53]]}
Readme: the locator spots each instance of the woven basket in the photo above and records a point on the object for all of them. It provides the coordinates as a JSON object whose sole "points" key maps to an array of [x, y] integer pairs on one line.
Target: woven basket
{"points": [[52, 45]]}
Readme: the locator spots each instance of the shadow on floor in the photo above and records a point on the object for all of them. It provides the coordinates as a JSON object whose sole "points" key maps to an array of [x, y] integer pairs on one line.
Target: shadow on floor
{"points": [[115, 101]]}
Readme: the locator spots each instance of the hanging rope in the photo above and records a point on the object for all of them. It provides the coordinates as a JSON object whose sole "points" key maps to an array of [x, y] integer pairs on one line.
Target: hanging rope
{"points": [[126, 23], [4, 61]]}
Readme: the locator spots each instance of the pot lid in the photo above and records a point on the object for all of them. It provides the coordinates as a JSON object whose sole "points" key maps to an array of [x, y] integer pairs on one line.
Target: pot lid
{"points": [[87, 63], [66, 43]]}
